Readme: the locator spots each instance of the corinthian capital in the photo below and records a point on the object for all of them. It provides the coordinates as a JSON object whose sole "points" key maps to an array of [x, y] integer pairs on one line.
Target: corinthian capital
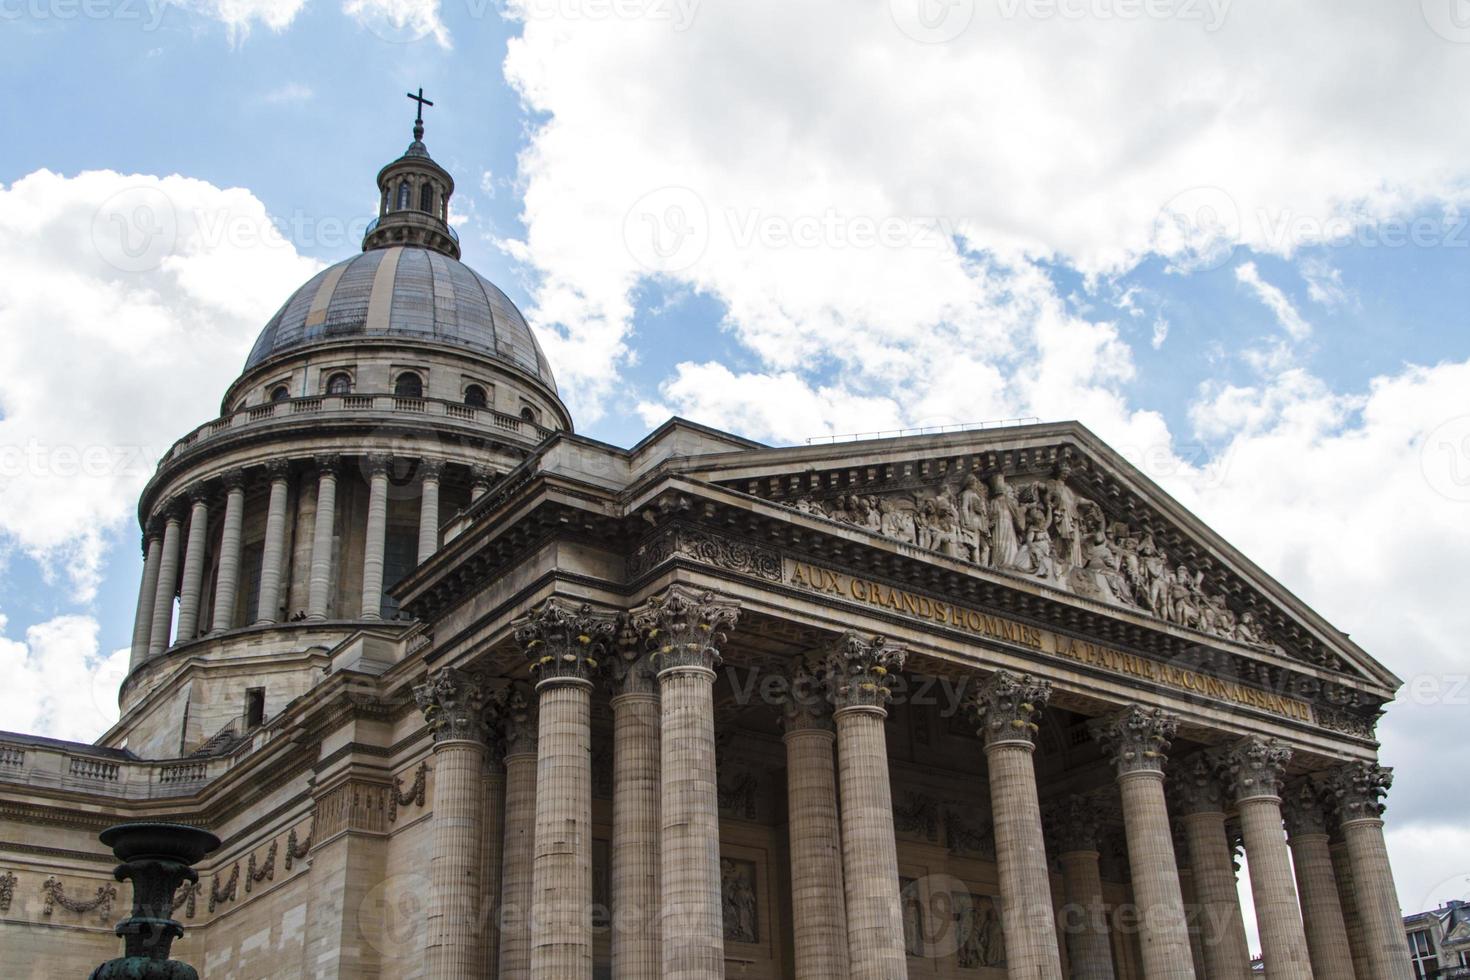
{"points": [[1137, 738], [453, 703], [629, 670], [1197, 785], [1006, 707], [859, 669], [1256, 765], [1357, 789], [684, 627], [1073, 824], [516, 713], [564, 640], [803, 700], [1304, 808]]}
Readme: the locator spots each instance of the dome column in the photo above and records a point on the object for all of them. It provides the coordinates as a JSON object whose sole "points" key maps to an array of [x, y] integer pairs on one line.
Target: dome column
{"points": [[193, 581], [147, 592], [432, 470], [377, 532], [273, 556], [319, 586], [227, 585], [168, 579]]}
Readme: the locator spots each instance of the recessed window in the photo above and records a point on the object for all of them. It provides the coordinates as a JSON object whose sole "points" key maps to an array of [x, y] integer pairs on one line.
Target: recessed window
{"points": [[254, 708], [426, 198], [339, 384], [529, 414], [280, 393], [475, 397], [408, 385], [404, 193]]}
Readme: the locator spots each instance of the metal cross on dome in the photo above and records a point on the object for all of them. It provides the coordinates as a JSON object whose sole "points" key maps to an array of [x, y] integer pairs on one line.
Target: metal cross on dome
{"points": [[418, 122]]}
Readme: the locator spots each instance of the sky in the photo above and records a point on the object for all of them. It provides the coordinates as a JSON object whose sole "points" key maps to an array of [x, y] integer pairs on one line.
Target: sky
{"points": [[1231, 238]]}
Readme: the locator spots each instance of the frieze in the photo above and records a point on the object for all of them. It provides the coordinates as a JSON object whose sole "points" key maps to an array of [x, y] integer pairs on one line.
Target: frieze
{"points": [[917, 814], [739, 902], [265, 871], [413, 796], [226, 892], [683, 541], [55, 893], [7, 890]]}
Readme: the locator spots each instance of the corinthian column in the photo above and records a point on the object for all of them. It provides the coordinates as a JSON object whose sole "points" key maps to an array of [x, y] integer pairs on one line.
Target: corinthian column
{"points": [[147, 593], [819, 922], [1357, 790], [518, 720], [1357, 942], [273, 557], [453, 703], [1073, 826], [319, 580], [635, 843], [857, 672], [563, 641], [227, 583], [431, 470], [1311, 858], [1199, 796], [684, 628], [480, 479], [192, 584], [1138, 740], [168, 578], [376, 537], [1006, 707], [1256, 765]]}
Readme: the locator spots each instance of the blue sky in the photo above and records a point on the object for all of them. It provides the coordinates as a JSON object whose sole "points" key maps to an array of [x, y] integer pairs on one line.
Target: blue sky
{"points": [[1088, 215]]}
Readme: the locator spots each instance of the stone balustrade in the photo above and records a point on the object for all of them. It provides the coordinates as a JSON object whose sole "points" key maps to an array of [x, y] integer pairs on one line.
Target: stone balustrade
{"points": [[108, 774]]}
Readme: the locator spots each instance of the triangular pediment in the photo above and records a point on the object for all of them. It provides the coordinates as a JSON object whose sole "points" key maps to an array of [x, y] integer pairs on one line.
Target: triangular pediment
{"points": [[1056, 507]]}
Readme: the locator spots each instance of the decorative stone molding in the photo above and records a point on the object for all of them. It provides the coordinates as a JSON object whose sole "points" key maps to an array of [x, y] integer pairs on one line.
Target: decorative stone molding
{"points": [[697, 544], [328, 463], [7, 891], [916, 813], [453, 703], [220, 894], [431, 469], [234, 479], [858, 670], [1073, 824], [278, 469], [1005, 707], [1197, 786], [351, 805], [684, 627], [297, 848], [415, 794], [968, 832], [629, 670], [564, 641], [56, 895], [266, 871], [379, 464], [1256, 765], [1304, 809], [1137, 738], [1356, 790], [516, 714], [804, 705]]}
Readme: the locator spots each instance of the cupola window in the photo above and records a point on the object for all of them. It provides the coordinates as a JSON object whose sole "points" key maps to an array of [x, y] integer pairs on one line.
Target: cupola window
{"points": [[408, 385], [280, 393], [528, 414], [339, 384], [474, 397], [404, 198], [426, 199]]}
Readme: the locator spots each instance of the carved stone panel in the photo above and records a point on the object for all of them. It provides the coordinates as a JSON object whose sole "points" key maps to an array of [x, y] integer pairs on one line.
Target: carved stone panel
{"points": [[739, 900]]}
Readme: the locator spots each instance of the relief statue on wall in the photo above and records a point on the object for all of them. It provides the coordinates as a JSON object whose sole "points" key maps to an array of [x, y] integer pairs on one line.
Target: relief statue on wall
{"points": [[981, 942], [1044, 529], [738, 901]]}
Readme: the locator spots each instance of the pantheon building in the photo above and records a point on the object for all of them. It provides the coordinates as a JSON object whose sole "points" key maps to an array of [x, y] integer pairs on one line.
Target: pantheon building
{"points": [[466, 694]]}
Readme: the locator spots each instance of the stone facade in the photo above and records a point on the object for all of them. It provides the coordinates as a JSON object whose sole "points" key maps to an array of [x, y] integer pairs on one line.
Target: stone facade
{"points": [[465, 694]]}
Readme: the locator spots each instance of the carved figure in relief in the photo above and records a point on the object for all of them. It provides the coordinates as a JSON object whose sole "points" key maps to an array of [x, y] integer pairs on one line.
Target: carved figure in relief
{"points": [[1036, 555], [974, 517], [1005, 522], [898, 523], [1153, 574], [1064, 510], [737, 894]]}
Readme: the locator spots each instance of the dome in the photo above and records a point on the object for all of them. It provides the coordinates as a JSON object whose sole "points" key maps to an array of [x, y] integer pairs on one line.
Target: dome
{"points": [[408, 293]]}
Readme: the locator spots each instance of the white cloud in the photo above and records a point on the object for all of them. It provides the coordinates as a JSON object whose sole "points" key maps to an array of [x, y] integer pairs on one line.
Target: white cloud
{"points": [[1276, 301], [288, 93], [128, 305], [400, 21], [57, 681], [239, 16]]}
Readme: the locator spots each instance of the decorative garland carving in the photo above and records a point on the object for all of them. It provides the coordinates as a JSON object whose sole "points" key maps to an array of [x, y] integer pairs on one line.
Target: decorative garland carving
{"points": [[295, 851], [7, 891], [266, 872], [55, 895], [916, 813], [708, 549], [217, 895], [968, 832], [414, 796], [187, 895]]}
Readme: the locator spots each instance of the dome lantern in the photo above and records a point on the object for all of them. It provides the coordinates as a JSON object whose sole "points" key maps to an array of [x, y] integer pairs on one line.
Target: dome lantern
{"points": [[413, 199]]}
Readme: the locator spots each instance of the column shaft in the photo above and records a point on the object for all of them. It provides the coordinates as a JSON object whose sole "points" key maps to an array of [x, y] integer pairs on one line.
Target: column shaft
{"points": [[1222, 927], [1165, 935], [1278, 914], [147, 595], [517, 865], [1027, 915], [193, 579], [869, 851], [227, 585], [429, 514], [375, 541], [561, 906], [1377, 900], [319, 585], [1090, 952], [491, 854], [635, 843], [1327, 936], [163, 595], [819, 921], [1347, 896], [455, 943], [268, 608], [692, 924]]}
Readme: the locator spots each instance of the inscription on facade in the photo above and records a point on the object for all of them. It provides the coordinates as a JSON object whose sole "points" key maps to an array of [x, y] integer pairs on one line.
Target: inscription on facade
{"points": [[816, 578]]}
